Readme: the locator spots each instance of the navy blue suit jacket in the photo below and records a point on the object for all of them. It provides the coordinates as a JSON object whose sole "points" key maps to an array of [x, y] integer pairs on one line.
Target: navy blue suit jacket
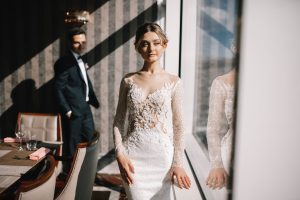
{"points": [[70, 88]]}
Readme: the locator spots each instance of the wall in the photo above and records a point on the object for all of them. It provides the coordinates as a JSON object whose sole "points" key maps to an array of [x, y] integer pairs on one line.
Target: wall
{"points": [[33, 38], [267, 160]]}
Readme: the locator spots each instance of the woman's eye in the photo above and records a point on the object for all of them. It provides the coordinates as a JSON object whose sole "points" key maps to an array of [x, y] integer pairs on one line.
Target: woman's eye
{"points": [[157, 43]]}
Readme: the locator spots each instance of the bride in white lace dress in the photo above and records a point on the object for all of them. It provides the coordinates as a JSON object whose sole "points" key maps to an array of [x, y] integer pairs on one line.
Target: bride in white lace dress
{"points": [[220, 128], [150, 152]]}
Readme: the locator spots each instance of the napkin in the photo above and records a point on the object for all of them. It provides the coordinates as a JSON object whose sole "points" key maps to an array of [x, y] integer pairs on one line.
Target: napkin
{"points": [[10, 139], [38, 154]]}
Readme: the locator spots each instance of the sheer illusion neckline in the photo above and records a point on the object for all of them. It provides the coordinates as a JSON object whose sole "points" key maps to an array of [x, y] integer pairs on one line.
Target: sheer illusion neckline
{"points": [[155, 91]]}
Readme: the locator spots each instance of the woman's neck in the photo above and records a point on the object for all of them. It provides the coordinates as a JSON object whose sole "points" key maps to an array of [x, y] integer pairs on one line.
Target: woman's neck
{"points": [[152, 68]]}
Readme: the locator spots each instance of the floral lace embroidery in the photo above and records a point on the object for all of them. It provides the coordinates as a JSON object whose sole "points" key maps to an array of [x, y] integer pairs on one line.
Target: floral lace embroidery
{"points": [[156, 117], [150, 112], [219, 124]]}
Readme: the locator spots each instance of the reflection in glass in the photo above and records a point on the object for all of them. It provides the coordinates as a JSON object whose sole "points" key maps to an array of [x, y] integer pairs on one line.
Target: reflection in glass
{"points": [[215, 85], [220, 128], [216, 28]]}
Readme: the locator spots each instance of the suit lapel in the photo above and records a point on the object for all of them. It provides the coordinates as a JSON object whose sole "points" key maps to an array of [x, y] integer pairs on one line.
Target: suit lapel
{"points": [[77, 68]]}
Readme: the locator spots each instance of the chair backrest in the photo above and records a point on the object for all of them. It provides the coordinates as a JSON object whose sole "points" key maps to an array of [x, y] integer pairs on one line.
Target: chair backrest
{"points": [[46, 127], [80, 180], [87, 173], [42, 187]]}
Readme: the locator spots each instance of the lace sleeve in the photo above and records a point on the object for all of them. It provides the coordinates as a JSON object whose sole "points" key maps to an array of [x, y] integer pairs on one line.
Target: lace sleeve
{"points": [[178, 125], [119, 120], [216, 124]]}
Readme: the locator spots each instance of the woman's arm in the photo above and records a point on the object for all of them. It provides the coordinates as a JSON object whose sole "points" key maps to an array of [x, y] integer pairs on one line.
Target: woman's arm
{"points": [[119, 120], [125, 165], [178, 124], [217, 124], [216, 128], [178, 139]]}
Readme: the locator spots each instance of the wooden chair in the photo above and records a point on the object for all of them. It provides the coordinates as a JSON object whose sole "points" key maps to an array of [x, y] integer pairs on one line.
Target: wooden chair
{"points": [[46, 127], [42, 187], [80, 180]]}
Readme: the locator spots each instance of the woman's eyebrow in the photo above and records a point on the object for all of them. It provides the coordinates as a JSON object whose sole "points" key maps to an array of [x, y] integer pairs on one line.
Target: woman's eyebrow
{"points": [[155, 40]]}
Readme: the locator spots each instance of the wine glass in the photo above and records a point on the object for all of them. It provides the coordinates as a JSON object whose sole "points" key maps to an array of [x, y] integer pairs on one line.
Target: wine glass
{"points": [[20, 135]]}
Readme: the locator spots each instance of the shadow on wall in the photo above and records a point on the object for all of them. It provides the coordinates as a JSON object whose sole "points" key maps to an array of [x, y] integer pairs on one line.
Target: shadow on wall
{"points": [[26, 98], [28, 27], [25, 40]]}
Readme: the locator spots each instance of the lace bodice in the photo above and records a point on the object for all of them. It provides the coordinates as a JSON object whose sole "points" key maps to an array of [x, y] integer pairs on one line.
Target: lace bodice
{"points": [[159, 111], [219, 124]]}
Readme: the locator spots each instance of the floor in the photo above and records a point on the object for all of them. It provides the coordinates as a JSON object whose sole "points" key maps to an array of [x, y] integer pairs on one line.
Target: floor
{"points": [[108, 183]]}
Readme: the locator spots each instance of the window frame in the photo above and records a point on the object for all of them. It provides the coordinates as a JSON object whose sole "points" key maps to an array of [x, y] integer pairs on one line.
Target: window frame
{"points": [[184, 66]]}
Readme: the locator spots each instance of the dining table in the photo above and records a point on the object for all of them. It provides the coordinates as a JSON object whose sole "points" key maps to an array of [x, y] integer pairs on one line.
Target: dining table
{"points": [[14, 166]]}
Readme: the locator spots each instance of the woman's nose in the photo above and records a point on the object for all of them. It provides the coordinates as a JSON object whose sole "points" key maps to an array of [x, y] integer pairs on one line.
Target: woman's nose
{"points": [[151, 47]]}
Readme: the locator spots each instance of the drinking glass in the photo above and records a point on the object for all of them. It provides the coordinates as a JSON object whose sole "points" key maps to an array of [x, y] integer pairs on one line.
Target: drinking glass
{"points": [[31, 143], [20, 135]]}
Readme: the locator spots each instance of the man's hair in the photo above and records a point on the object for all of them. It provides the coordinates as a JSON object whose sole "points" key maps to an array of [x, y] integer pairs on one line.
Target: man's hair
{"points": [[75, 31]]}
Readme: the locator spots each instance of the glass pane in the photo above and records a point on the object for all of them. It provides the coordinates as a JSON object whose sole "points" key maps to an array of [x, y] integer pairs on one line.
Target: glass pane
{"points": [[216, 31], [214, 91]]}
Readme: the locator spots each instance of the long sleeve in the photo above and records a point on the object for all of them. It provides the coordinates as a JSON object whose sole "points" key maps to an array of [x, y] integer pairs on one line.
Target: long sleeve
{"points": [[217, 125], [92, 96], [61, 79], [178, 124], [119, 120]]}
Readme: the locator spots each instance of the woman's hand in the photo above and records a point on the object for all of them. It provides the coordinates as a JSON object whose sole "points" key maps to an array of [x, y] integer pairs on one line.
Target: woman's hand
{"points": [[126, 168], [217, 178], [181, 176]]}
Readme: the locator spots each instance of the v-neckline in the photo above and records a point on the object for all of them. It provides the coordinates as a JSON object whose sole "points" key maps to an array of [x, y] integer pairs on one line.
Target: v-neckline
{"points": [[145, 95]]}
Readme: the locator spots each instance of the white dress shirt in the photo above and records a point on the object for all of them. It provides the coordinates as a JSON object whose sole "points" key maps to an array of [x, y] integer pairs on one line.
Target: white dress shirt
{"points": [[83, 72]]}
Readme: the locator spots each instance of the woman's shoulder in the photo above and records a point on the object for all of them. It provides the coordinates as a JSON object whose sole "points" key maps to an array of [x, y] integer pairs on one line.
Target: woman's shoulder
{"points": [[219, 82], [226, 79], [127, 78], [172, 78]]}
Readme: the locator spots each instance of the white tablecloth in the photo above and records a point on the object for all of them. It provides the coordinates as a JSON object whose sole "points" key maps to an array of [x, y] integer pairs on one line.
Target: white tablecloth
{"points": [[5, 181], [3, 152], [10, 170]]}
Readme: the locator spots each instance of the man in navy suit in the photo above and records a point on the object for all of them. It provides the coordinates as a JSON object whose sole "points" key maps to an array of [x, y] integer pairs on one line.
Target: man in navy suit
{"points": [[74, 94]]}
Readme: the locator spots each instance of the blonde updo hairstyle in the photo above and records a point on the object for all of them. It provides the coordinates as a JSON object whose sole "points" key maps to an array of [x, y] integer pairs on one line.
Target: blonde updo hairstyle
{"points": [[149, 27]]}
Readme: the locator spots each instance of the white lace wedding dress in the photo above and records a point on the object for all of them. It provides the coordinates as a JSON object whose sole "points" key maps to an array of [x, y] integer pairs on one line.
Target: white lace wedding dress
{"points": [[219, 124], [154, 137]]}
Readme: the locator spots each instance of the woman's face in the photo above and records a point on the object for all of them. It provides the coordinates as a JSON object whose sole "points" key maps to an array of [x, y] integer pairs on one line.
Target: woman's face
{"points": [[151, 47]]}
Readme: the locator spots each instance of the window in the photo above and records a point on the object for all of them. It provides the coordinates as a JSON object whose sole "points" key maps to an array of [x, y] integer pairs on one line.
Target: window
{"points": [[208, 29], [216, 27]]}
